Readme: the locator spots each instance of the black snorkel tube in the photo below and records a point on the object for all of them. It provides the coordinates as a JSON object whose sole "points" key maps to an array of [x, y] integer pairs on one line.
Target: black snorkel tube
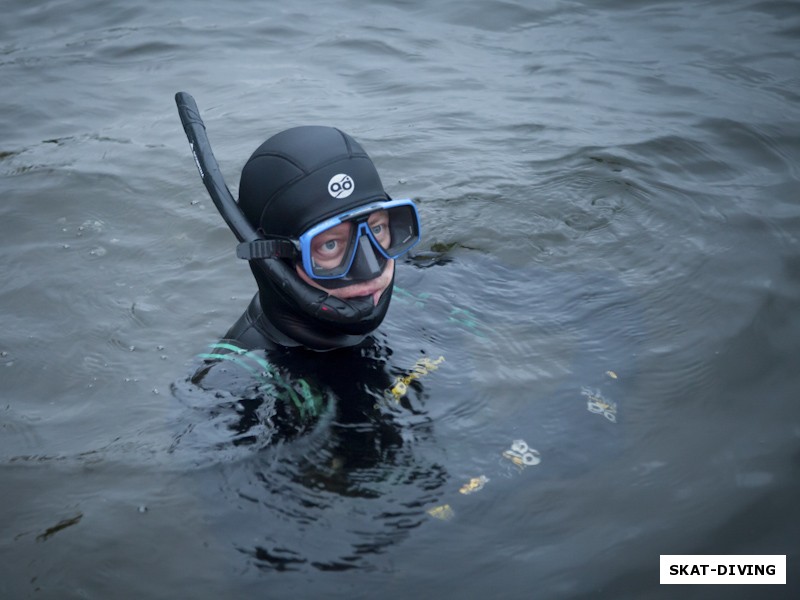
{"points": [[209, 169], [355, 312]]}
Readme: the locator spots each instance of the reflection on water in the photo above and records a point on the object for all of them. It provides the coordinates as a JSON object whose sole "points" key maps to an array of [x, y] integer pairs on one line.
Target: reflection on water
{"points": [[381, 445], [605, 188], [324, 488]]}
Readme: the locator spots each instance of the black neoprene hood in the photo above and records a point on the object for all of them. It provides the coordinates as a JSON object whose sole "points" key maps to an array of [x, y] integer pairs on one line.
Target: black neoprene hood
{"points": [[284, 187], [292, 181]]}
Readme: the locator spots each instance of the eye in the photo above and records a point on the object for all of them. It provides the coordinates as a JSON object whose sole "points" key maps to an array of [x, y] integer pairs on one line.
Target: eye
{"points": [[379, 227], [328, 249]]}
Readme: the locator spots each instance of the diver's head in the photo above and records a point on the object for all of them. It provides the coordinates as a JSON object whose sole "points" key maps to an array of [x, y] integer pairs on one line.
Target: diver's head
{"points": [[316, 196]]}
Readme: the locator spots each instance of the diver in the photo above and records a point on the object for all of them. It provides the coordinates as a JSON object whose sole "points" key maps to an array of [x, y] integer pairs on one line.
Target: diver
{"points": [[324, 219], [321, 236]]}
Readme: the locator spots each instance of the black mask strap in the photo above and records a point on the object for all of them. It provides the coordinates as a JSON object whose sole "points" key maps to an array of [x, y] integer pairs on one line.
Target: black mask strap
{"points": [[272, 248]]}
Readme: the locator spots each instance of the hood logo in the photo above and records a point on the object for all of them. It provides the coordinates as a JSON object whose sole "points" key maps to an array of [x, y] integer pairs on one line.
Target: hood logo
{"points": [[341, 186]]}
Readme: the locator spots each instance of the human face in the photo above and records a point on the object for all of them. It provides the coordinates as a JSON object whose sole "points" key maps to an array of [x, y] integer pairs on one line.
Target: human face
{"points": [[373, 288]]}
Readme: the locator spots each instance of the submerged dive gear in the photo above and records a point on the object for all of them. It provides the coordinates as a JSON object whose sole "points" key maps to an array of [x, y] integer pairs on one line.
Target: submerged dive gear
{"points": [[347, 248], [294, 180]]}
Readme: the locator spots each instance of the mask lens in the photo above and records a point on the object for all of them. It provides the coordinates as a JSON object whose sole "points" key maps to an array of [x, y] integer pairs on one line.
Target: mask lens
{"points": [[332, 250], [403, 229]]}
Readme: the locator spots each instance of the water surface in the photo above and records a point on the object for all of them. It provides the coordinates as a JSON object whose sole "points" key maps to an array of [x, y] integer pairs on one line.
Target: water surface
{"points": [[614, 185]]}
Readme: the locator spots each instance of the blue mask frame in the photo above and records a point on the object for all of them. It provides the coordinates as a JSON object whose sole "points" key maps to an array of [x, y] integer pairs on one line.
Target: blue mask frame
{"points": [[409, 229]]}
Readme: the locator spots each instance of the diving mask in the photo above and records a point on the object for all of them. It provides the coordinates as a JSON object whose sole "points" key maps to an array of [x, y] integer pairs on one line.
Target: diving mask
{"points": [[347, 248]]}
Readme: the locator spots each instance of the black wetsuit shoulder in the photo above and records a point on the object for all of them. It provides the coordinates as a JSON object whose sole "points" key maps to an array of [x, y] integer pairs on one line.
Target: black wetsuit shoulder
{"points": [[253, 330]]}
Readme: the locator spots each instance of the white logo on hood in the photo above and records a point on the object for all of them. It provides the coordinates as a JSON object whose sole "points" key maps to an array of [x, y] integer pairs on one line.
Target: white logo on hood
{"points": [[341, 186]]}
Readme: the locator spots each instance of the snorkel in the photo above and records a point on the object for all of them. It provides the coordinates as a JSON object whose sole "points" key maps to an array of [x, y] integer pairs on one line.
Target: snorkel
{"points": [[334, 322]]}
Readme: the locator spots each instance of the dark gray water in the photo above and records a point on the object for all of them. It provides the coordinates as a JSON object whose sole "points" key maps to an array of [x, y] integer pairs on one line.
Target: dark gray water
{"points": [[615, 184]]}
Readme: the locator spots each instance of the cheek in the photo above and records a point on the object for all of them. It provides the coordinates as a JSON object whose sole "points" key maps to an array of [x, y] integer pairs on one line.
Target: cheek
{"points": [[388, 272], [301, 272]]}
